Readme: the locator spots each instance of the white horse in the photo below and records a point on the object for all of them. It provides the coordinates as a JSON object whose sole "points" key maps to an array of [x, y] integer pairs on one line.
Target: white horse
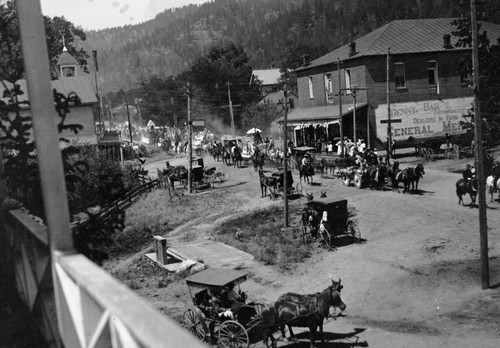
{"points": [[493, 186]]}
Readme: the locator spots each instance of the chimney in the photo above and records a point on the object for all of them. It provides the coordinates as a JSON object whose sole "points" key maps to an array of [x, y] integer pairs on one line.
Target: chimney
{"points": [[305, 60], [352, 49], [447, 41]]}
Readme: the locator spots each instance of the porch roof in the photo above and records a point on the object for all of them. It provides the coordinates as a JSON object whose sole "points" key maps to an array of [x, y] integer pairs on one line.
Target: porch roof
{"points": [[317, 114]]}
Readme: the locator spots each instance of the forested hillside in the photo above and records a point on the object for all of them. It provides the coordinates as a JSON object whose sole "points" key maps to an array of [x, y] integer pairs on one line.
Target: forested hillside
{"points": [[168, 44]]}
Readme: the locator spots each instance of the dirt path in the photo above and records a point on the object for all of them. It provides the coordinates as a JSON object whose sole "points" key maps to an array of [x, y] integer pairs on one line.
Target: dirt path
{"points": [[414, 282]]}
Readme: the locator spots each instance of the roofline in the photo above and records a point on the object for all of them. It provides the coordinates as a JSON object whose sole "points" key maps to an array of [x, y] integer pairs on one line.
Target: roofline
{"points": [[350, 59]]}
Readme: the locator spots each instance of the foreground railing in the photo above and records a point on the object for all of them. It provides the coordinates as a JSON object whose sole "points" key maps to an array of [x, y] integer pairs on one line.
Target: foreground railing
{"points": [[94, 309]]}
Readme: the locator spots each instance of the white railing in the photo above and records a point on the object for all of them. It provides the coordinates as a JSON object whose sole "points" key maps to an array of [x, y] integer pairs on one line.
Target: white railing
{"points": [[93, 308], [77, 304]]}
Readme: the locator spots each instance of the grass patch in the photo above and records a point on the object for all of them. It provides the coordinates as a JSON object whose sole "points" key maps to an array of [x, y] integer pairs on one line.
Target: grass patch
{"points": [[261, 234]]}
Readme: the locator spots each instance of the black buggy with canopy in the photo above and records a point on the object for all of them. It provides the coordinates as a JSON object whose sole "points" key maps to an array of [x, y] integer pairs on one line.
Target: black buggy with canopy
{"points": [[237, 325], [328, 219]]}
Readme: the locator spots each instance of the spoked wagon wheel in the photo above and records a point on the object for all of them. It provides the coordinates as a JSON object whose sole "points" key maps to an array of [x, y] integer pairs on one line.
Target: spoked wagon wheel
{"points": [[233, 335], [358, 180], [192, 323], [346, 180], [298, 189], [353, 230]]}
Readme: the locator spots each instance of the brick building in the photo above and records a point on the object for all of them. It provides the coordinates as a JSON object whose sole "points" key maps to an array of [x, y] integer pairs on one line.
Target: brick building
{"points": [[426, 91]]}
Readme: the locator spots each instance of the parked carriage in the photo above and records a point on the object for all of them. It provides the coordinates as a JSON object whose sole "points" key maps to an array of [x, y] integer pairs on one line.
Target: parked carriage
{"points": [[205, 177], [291, 190], [241, 328], [327, 220]]}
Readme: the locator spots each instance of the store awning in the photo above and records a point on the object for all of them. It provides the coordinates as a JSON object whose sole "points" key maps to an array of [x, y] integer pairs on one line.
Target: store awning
{"points": [[318, 114]]}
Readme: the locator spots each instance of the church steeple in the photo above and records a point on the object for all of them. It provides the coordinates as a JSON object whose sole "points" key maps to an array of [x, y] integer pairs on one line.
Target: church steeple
{"points": [[66, 64]]}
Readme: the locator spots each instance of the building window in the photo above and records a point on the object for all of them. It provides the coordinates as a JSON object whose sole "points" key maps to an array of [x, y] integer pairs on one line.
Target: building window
{"points": [[432, 75], [399, 72], [328, 88], [311, 90], [348, 81]]}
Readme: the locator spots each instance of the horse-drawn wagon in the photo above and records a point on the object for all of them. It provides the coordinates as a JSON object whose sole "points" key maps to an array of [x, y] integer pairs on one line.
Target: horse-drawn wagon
{"points": [[280, 187], [328, 219], [218, 309]]}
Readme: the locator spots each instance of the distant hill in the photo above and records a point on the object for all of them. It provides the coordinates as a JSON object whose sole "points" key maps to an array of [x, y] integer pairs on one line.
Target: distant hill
{"points": [[169, 43]]}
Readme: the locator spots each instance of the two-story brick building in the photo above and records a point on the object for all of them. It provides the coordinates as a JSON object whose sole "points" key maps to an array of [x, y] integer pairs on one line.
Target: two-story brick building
{"points": [[419, 77]]}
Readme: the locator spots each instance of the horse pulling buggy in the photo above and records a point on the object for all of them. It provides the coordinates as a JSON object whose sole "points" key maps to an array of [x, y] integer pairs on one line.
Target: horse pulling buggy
{"points": [[280, 187], [326, 220], [235, 324]]}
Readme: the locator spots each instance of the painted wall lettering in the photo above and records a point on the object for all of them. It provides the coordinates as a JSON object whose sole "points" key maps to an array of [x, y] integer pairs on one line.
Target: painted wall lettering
{"points": [[423, 119]]}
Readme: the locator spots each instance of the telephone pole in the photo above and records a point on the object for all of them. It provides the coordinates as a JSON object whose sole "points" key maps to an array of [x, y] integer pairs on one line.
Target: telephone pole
{"points": [[98, 91], [478, 148], [129, 125], [341, 126], [353, 93], [285, 157], [233, 131], [389, 124], [190, 132]]}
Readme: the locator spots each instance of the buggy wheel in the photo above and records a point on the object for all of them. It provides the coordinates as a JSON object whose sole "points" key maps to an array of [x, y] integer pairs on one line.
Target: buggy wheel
{"points": [[358, 180], [353, 230], [345, 180], [192, 323], [298, 189], [233, 335]]}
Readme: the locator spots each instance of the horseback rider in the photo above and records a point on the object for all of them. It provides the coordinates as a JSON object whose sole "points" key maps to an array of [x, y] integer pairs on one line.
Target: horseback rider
{"points": [[467, 172], [306, 160]]}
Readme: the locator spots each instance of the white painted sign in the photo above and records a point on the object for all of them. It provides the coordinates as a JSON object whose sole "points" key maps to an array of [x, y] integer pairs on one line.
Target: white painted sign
{"points": [[423, 119]]}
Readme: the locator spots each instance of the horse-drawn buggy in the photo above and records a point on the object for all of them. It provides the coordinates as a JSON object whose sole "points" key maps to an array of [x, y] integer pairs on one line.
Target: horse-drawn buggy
{"points": [[280, 187], [221, 311], [327, 220]]}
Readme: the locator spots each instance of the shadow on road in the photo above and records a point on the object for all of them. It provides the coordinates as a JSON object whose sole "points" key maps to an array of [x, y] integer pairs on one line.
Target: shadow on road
{"points": [[349, 339]]}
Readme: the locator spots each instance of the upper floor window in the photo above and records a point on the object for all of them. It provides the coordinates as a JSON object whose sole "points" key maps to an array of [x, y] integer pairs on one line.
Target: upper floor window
{"points": [[328, 88], [432, 75], [399, 72], [348, 81], [311, 89]]}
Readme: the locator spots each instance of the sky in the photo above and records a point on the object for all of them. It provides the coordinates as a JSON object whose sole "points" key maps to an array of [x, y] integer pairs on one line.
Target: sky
{"points": [[100, 14]]}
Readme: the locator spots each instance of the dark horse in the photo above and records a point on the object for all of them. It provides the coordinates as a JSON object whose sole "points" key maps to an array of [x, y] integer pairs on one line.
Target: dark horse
{"points": [[310, 221], [258, 160], [306, 172], [178, 173], [408, 176], [376, 175], [306, 310], [216, 152], [267, 182], [236, 156], [467, 186], [418, 173]]}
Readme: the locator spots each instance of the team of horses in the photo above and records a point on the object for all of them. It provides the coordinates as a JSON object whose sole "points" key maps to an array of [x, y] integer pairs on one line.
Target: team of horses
{"points": [[298, 310]]}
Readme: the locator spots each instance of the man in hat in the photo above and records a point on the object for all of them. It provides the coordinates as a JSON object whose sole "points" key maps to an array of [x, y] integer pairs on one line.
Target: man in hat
{"points": [[467, 172]]}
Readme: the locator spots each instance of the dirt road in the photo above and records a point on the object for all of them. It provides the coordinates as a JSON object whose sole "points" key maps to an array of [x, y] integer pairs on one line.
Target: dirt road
{"points": [[414, 281]]}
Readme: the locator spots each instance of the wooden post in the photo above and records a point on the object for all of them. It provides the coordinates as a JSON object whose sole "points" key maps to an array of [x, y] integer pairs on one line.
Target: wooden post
{"points": [[389, 125], [285, 157], [478, 148], [161, 249], [36, 64], [340, 113], [190, 132]]}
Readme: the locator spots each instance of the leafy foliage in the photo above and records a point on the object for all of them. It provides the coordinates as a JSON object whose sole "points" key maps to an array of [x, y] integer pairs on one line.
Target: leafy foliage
{"points": [[260, 115], [11, 62], [489, 70]]}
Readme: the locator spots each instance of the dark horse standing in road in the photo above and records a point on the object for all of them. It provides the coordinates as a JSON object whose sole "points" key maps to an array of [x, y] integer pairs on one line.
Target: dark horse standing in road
{"points": [[236, 156], [467, 186], [305, 310], [376, 175], [258, 159], [306, 172], [266, 182]]}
